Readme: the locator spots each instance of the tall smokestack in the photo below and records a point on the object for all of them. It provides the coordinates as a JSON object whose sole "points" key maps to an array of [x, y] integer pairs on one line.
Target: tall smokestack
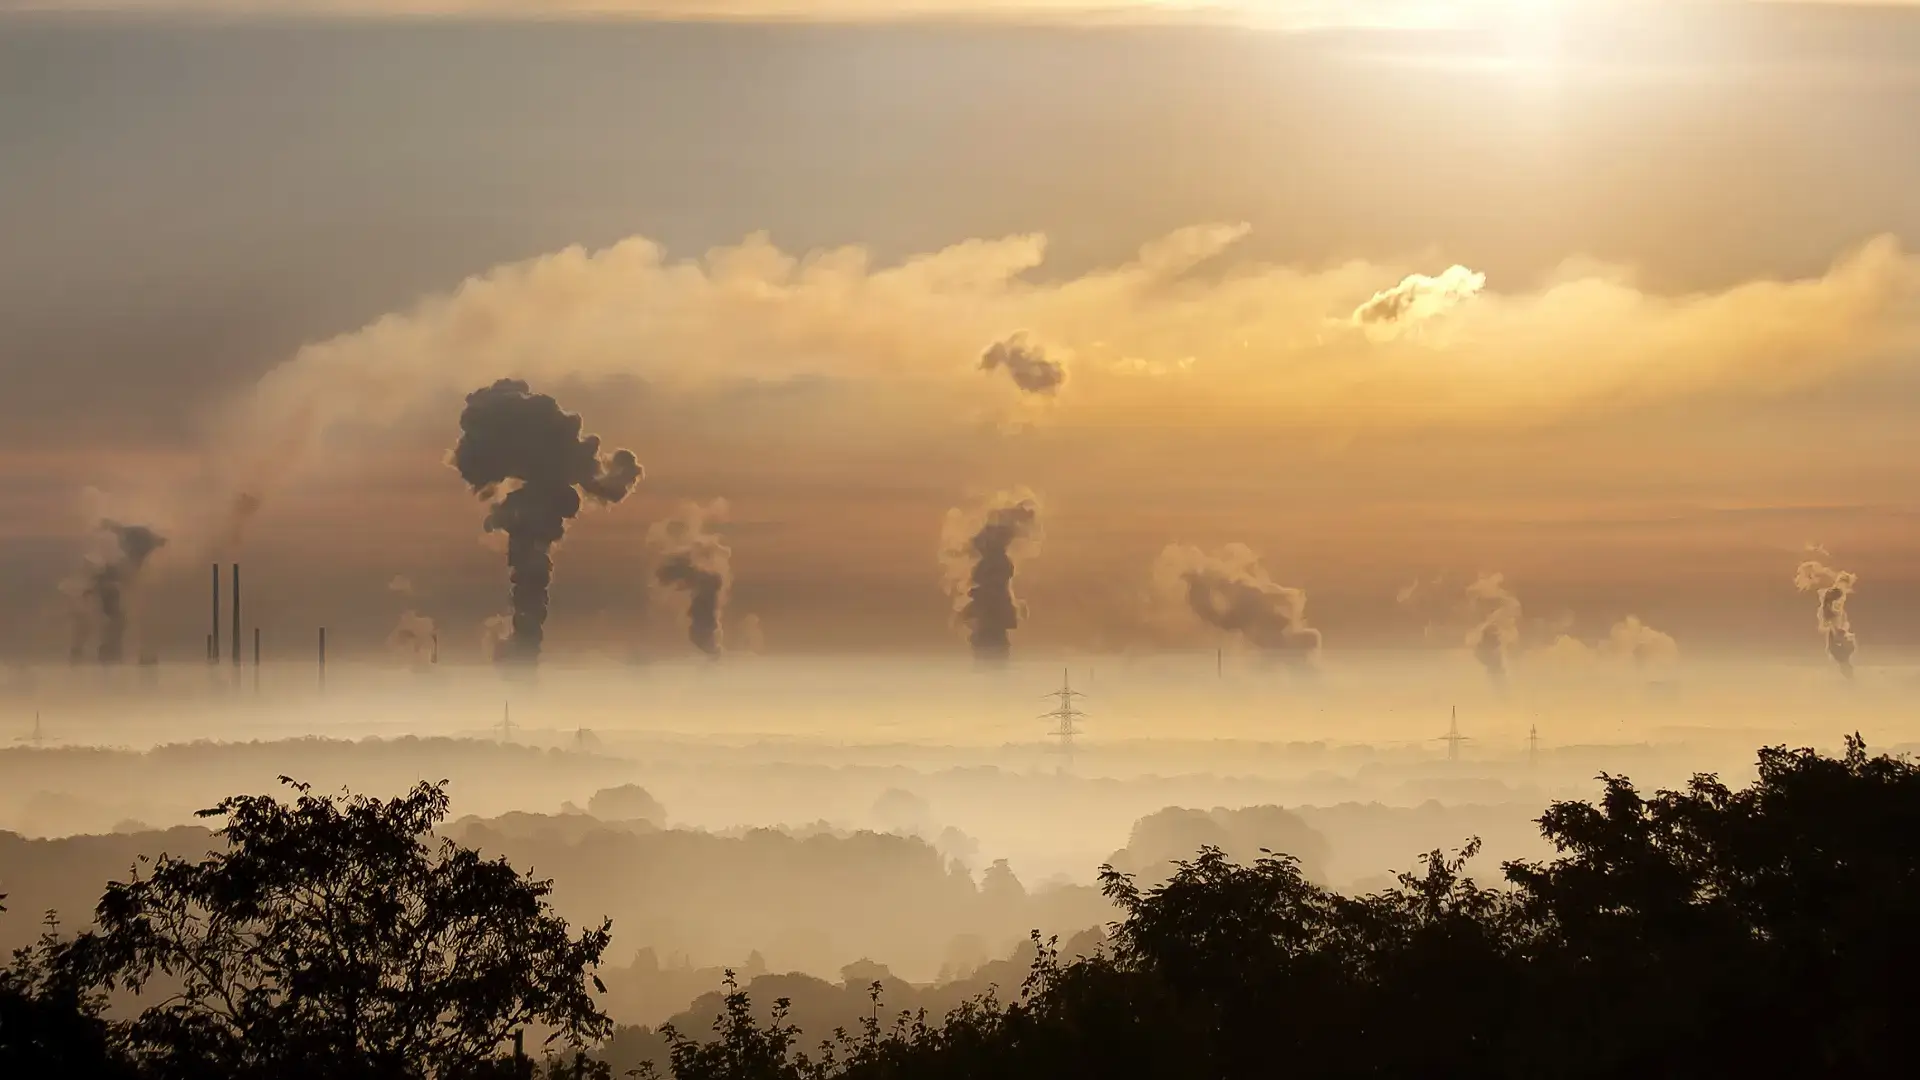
{"points": [[236, 615], [213, 650]]}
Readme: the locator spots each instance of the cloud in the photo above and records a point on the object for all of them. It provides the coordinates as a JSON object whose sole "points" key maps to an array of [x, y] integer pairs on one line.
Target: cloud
{"points": [[1418, 298], [1630, 641], [1255, 344]]}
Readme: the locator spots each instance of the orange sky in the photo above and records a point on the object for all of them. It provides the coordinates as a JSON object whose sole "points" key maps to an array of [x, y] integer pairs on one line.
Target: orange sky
{"points": [[1678, 346]]}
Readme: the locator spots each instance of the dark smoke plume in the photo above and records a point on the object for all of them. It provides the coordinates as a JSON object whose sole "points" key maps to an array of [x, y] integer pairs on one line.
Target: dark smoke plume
{"points": [[980, 550], [697, 562], [524, 453], [106, 582], [1498, 628], [1230, 591], [1026, 360], [1834, 587]]}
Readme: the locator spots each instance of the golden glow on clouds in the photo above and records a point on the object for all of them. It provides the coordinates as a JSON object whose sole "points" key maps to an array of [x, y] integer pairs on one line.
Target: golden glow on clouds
{"points": [[1185, 335]]}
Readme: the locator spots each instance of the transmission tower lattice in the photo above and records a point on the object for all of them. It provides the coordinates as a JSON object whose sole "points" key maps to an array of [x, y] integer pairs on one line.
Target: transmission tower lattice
{"points": [[1067, 716], [1453, 738]]}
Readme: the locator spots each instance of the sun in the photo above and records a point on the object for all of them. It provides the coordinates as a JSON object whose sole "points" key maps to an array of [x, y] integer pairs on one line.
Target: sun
{"points": [[1529, 31]]}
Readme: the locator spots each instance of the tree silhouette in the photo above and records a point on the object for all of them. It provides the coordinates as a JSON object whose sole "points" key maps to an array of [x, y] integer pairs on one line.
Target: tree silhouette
{"points": [[332, 939], [1764, 932]]}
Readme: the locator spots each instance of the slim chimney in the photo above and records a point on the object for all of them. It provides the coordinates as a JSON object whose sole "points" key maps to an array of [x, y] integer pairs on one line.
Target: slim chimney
{"points": [[236, 615], [213, 650]]}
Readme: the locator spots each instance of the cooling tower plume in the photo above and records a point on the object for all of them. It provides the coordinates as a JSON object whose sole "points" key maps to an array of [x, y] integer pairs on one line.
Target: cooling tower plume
{"points": [[496, 633], [1834, 587], [981, 550], [526, 455], [694, 560], [1231, 591], [107, 581], [1636, 641], [1498, 628], [1417, 298], [1027, 362], [412, 637]]}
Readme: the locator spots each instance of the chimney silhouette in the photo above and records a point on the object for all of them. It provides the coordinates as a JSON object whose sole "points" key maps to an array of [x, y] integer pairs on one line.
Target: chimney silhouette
{"points": [[236, 615]]}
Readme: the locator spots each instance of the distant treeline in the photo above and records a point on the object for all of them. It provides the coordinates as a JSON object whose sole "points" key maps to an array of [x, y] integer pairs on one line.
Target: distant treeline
{"points": [[58, 790]]}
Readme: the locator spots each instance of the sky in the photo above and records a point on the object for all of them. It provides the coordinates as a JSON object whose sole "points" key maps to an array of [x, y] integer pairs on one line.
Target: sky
{"points": [[1620, 303]]}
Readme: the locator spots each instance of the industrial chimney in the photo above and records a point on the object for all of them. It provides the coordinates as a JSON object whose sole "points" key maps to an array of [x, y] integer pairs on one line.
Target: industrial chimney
{"points": [[236, 615]]}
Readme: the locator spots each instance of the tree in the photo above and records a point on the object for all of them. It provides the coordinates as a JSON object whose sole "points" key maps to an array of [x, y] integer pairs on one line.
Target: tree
{"points": [[331, 938], [50, 1023], [1762, 932]]}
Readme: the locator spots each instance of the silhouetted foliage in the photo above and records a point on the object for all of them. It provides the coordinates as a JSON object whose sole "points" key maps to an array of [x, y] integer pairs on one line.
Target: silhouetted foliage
{"points": [[1707, 932], [329, 939]]}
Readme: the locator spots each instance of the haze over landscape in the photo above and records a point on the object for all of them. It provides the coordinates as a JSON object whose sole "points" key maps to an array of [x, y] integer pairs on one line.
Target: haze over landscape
{"points": [[710, 437]]}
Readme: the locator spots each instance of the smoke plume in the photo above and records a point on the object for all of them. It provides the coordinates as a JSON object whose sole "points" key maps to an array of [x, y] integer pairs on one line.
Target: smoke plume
{"points": [[1834, 587], [526, 455], [980, 550], [496, 635], [1419, 297], [1636, 641], [1231, 591], [414, 637], [697, 562], [1027, 362], [105, 583], [1498, 628]]}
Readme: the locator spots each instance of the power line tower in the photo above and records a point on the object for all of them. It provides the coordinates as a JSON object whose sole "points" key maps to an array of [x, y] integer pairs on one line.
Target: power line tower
{"points": [[1066, 717], [1453, 738], [506, 721], [1533, 745]]}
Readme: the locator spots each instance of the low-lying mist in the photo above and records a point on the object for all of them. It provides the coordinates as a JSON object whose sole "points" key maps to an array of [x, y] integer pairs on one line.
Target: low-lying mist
{"points": [[778, 815]]}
